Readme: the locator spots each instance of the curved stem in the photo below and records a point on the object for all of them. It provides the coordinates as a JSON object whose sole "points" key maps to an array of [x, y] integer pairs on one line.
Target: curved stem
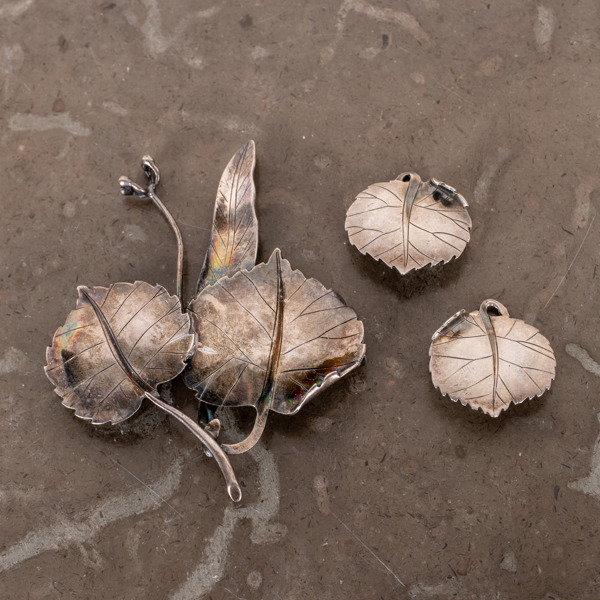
{"points": [[266, 397], [257, 430], [163, 209], [130, 188], [414, 186], [495, 306], [233, 487], [484, 313]]}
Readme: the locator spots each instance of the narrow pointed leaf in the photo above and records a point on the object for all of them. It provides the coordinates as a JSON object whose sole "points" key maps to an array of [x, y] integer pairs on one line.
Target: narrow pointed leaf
{"points": [[408, 223], [489, 360], [118, 344], [271, 338], [234, 238]]}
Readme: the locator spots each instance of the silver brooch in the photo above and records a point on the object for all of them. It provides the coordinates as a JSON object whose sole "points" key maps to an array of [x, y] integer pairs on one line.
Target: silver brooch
{"points": [[262, 336]]}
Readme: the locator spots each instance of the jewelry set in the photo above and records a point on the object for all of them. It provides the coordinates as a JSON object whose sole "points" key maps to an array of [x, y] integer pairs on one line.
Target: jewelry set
{"points": [[265, 335]]}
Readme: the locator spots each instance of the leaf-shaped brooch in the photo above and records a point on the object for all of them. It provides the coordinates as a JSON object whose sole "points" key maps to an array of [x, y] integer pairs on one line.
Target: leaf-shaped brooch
{"points": [[121, 342], [267, 336], [408, 223], [487, 359]]}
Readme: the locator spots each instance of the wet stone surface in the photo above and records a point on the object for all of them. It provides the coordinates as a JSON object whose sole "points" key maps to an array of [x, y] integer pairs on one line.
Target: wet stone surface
{"points": [[380, 487]]}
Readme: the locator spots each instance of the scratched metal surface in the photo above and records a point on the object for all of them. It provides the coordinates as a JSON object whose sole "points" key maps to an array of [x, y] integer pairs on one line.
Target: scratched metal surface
{"points": [[380, 488]]}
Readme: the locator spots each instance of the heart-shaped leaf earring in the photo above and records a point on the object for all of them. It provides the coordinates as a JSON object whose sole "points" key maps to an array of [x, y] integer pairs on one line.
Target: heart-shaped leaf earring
{"points": [[408, 223], [487, 359]]}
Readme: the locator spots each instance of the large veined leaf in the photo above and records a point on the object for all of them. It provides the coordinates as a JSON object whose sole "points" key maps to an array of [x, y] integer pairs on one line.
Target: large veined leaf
{"points": [[487, 359], [270, 338], [234, 238], [116, 346], [408, 223]]}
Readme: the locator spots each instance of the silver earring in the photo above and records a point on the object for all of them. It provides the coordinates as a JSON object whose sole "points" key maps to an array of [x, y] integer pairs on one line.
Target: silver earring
{"points": [[408, 223], [488, 360]]}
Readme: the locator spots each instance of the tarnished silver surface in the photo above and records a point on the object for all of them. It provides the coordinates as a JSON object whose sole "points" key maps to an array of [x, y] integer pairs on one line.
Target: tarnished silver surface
{"points": [[234, 237], [487, 360], [408, 223], [259, 343], [119, 343], [270, 338]]}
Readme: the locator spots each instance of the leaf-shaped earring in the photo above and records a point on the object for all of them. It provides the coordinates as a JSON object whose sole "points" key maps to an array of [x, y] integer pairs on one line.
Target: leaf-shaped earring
{"points": [[487, 360], [121, 342], [408, 223]]}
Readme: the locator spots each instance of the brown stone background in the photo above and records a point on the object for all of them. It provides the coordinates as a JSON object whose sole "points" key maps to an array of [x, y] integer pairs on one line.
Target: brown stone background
{"points": [[381, 488]]}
